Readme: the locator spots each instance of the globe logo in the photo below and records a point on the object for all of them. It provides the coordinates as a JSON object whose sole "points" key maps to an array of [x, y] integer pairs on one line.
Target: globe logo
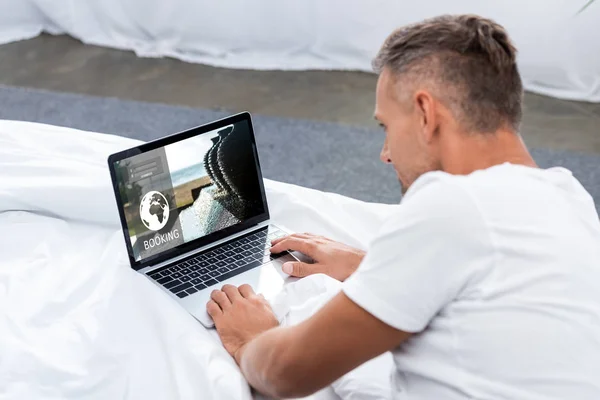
{"points": [[154, 210]]}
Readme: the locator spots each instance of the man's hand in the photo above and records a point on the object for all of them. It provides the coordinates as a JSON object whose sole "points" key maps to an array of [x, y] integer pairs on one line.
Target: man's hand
{"points": [[239, 315], [331, 258]]}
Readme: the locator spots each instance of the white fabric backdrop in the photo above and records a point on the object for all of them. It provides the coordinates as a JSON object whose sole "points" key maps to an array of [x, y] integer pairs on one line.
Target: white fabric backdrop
{"points": [[559, 51]]}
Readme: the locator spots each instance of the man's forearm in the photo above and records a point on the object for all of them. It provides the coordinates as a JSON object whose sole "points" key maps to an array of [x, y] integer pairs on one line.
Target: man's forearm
{"points": [[299, 360], [265, 362]]}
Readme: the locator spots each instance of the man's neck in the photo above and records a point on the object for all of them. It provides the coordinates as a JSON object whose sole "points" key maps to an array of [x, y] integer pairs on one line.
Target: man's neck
{"points": [[466, 153]]}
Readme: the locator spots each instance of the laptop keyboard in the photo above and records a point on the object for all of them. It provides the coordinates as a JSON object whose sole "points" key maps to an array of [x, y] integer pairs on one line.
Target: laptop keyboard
{"points": [[216, 265]]}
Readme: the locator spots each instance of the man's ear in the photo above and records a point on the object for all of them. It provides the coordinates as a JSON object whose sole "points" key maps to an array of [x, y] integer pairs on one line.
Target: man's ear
{"points": [[426, 108]]}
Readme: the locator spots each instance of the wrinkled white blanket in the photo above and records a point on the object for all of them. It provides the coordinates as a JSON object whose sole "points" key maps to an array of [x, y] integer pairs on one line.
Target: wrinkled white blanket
{"points": [[77, 323]]}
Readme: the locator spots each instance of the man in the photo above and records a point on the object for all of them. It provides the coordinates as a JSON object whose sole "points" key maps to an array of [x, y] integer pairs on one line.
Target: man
{"points": [[485, 284]]}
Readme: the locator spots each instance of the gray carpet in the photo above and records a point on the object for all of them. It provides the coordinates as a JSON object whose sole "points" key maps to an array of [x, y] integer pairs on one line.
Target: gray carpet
{"points": [[324, 156]]}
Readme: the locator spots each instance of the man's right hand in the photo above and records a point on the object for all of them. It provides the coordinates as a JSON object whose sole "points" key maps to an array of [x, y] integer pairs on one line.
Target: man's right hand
{"points": [[331, 258]]}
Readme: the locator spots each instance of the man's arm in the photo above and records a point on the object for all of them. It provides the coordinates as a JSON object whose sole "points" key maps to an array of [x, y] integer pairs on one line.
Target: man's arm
{"points": [[297, 361]]}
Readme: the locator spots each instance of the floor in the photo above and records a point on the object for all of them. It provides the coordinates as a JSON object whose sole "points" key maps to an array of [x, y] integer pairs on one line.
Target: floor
{"points": [[61, 63]]}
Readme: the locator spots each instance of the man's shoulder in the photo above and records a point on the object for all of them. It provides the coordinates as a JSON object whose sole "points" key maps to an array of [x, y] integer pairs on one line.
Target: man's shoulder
{"points": [[439, 202], [475, 189], [433, 181], [440, 191]]}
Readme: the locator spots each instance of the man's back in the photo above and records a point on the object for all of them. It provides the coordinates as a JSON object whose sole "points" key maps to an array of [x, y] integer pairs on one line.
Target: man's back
{"points": [[505, 284], [485, 283]]}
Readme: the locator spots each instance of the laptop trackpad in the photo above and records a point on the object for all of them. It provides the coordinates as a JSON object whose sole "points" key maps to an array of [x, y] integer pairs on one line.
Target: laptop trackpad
{"points": [[268, 279]]}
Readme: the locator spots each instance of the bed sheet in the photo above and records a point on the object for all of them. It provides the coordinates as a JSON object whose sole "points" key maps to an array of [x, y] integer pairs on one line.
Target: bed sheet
{"points": [[77, 323]]}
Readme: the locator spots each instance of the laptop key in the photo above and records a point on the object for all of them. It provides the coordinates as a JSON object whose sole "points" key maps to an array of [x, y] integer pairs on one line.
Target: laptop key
{"points": [[185, 279], [176, 275], [204, 264], [194, 275], [238, 271], [185, 271], [240, 263], [238, 257], [164, 280], [155, 274], [181, 287], [214, 274], [221, 264], [196, 281], [230, 261], [181, 294], [223, 270], [211, 282], [191, 290], [200, 286], [212, 267], [171, 284], [194, 268], [203, 271]]}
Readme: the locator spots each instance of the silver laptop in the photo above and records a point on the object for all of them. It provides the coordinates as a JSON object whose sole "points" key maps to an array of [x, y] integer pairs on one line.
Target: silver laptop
{"points": [[194, 213]]}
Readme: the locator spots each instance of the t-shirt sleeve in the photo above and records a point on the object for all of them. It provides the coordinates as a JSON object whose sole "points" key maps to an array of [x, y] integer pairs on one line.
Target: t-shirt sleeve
{"points": [[427, 255]]}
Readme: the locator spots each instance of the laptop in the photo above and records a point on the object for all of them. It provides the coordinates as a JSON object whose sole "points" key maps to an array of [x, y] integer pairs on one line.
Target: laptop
{"points": [[194, 213]]}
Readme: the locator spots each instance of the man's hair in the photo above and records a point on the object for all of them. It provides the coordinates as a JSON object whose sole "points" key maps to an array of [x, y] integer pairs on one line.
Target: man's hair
{"points": [[470, 60]]}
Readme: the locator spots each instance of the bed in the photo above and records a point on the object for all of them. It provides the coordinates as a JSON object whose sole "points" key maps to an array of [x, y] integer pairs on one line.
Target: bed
{"points": [[555, 41], [76, 322]]}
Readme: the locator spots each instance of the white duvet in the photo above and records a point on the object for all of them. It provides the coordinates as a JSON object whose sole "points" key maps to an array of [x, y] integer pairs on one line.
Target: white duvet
{"points": [[77, 323]]}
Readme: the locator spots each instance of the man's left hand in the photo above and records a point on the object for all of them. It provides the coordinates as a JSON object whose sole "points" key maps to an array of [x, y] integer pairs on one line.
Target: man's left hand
{"points": [[239, 315]]}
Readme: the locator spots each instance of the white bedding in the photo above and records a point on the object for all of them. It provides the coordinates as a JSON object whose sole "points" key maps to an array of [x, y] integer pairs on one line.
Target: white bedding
{"points": [[76, 322], [557, 49]]}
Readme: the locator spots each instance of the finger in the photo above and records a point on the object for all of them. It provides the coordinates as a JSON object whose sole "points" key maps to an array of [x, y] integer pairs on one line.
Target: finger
{"points": [[213, 309], [246, 290], [277, 240], [232, 293], [296, 235], [301, 269], [221, 299], [296, 244]]}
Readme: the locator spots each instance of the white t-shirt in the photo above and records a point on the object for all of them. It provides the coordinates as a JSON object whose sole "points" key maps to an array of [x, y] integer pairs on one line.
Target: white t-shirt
{"points": [[500, 272]]}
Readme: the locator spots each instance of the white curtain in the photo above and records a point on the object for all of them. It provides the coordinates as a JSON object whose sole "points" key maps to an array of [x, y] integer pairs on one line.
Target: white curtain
{"points": [[559, 49]]}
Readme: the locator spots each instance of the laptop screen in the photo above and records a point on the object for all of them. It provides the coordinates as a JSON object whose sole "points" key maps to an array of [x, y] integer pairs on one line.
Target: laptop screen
{"points": [[189, 189]]}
